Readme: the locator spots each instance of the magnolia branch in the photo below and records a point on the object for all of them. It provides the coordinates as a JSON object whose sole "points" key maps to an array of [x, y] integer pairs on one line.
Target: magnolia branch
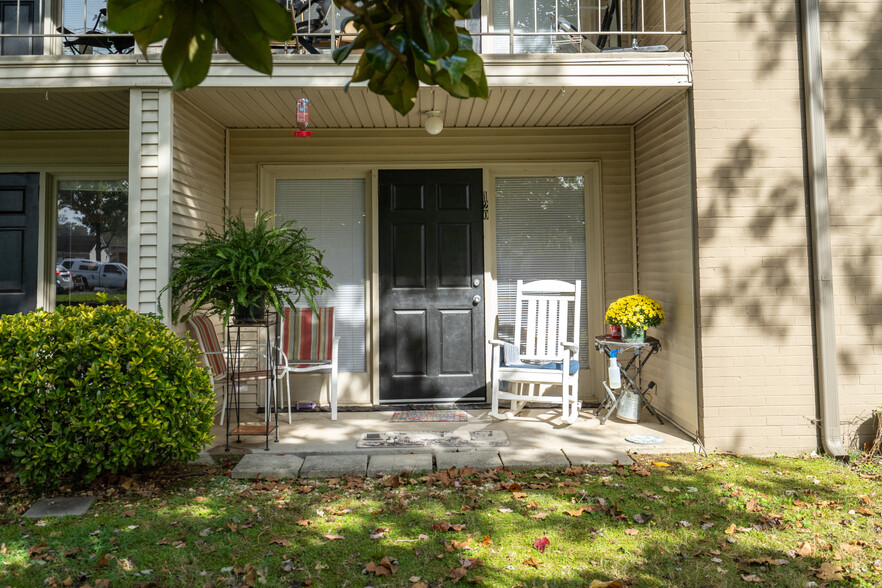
{"points": [[362, 13]]}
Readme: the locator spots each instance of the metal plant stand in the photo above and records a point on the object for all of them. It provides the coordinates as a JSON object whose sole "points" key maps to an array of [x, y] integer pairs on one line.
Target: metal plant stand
{"points": [[640, 352], [266, 333]]}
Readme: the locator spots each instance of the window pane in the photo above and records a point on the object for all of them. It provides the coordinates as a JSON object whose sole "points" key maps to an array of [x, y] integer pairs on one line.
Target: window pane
{"points": [[540, 235], [92, 241], [332, 211]]}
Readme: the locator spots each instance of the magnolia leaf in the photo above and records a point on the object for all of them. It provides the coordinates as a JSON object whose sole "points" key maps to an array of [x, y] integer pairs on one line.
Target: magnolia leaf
{"points": [[828, 571]]}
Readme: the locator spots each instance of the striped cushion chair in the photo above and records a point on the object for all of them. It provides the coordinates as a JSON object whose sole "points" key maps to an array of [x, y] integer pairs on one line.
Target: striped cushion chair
{"points": [[214, 357], [309, 345]]}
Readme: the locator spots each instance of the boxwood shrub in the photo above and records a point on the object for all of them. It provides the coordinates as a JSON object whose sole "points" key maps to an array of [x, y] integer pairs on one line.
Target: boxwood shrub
{"points": [[88, 391]]}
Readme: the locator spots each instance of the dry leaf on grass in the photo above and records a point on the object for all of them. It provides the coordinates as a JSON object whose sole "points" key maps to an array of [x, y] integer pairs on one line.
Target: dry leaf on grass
{"points": [[457, 574], [282, 542], [631, 531], [751, 578], [661, 464], [608, 584], [304, 523], [753, 505], [805, 549], [444, 526], [385, 567], [828, 571], [532, 561], [330, 537], [576, 513]]}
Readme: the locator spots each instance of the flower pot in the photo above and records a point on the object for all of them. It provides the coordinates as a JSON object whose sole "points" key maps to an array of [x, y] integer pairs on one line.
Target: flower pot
{"points": [[632, 335], [254, 313]]}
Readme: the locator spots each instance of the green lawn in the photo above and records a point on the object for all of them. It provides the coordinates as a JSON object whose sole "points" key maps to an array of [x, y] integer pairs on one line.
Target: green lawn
{"points": [[667, 521]]}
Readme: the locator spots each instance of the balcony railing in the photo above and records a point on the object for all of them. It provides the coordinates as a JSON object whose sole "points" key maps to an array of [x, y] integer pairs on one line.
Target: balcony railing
{"points": [[497, 27]]}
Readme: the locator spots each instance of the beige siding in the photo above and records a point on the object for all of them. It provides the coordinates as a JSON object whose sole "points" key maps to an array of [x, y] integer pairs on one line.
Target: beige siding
{"points": [[665, 256], [852, 61], [62, 151], [150, 181], [199, 164], [756, 341]]}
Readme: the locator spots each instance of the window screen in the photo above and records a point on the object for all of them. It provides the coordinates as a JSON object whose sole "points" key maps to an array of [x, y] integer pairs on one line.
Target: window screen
{"points": [[332, 212], [540, 235]]}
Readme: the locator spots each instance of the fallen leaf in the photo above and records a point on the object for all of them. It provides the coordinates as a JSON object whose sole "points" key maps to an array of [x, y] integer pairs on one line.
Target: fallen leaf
{"points": [[444, 526], [576, 513], [420, 585], [330, 537], [641, 518], [602, 584], [661, 464], [751, 578], [805, 549], [539, 515], [753, 505], [457, 574], [828, 571], [541, 543], [282, 542], [385, 567], [730, 529], [850, 548], [104, 560], [486, 541], [631, 531], [532, 561], [304, 523], [128, 513], [505, 510], [766, 561]]}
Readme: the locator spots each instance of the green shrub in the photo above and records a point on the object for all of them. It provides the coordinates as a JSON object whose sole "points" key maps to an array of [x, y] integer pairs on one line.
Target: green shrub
{"points": [[87, 391]]}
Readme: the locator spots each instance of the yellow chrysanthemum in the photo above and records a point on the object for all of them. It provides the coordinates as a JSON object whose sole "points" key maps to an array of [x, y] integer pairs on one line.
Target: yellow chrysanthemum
{"points": [[635, 312]]}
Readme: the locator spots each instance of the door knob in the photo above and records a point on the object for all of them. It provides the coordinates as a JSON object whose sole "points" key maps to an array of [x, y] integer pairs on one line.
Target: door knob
{"points": [[476, 301]]}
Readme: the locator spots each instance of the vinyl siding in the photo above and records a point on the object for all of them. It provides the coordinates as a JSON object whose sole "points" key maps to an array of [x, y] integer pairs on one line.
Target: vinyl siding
{"points": [[665, 256], [756, 340], [62, 151], [661, 15], [852, 61]]}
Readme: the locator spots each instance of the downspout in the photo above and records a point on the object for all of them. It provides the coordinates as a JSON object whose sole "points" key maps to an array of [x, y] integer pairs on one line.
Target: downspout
{"points": [[820, 249]]}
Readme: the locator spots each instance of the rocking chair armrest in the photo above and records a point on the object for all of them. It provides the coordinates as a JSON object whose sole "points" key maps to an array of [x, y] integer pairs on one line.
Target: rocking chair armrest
{"points": [[573, 348], [496, 342]]}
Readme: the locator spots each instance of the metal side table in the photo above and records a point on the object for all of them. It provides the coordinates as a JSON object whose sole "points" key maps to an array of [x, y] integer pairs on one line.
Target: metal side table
{"points": [[260, 342], [640, 352]]}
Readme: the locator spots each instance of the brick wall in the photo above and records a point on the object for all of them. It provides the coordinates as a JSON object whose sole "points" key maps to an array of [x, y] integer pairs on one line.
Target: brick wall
{"points": [[757, 367]]}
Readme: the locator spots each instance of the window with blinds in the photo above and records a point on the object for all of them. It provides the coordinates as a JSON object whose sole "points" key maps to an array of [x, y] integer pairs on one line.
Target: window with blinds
{"points": [[540, 235], [333, 213]]}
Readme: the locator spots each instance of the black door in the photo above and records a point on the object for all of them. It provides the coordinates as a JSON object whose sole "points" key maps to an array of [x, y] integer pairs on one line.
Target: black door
{"points": [[19, 211], [431, 286]]}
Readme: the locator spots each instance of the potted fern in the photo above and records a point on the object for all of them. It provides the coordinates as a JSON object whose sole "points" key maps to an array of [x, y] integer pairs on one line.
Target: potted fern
{"points": [[245, 269]]}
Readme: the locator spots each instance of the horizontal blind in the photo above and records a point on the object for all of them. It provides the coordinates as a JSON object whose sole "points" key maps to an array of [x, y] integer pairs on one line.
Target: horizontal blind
{"points": [[540, 235], [333, 214]]}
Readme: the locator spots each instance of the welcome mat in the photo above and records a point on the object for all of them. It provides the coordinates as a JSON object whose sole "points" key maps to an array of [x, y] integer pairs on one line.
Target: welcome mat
{"points": [[435, 439], [429, 416]]}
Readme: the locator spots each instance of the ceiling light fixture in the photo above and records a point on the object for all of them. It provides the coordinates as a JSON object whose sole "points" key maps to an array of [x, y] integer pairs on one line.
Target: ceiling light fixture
{"points": [[434, 122]]}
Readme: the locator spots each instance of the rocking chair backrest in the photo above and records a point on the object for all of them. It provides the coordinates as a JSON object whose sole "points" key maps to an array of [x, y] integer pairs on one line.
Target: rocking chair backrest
{"points": [[545, 305]]}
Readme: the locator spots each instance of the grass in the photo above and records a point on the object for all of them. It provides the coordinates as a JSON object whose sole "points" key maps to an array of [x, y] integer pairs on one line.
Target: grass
{"points": [[681, 520]]}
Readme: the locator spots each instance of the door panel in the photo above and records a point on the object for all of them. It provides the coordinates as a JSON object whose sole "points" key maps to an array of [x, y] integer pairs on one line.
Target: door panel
{"points": [[431, 286], [19, 210]]}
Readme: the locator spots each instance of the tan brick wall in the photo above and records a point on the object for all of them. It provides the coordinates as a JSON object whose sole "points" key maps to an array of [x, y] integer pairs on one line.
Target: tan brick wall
{"points": [[757, 368], [852, 63]]}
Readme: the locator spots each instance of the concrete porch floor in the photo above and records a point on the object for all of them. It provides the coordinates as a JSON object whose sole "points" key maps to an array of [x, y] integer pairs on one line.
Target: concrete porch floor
{"points": [[538, 437]]}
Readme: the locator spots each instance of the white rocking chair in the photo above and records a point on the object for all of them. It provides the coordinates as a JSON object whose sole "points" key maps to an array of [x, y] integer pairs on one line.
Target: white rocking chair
{"points": [[545, 349]]}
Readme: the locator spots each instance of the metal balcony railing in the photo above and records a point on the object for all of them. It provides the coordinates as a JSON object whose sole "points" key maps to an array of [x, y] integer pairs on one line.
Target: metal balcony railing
{"points": [[37, 27]]}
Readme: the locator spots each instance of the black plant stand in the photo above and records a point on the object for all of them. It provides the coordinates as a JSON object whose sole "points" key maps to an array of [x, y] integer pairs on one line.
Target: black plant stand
{"points": [[640, 351], [266, 332]]}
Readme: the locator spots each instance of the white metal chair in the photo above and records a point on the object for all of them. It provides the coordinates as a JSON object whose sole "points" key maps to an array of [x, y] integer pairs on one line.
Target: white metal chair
{"points": [[215, 358], [545, 349], [309, 345]]}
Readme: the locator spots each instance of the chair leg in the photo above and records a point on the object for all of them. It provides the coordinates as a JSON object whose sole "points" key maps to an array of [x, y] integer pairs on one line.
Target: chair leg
{"points": [[494, 383], [334, 389], [223, 404], [288, 390]]}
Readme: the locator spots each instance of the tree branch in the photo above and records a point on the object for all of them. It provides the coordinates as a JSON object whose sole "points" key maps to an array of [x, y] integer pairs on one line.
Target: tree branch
{"points": [[371, 27]]}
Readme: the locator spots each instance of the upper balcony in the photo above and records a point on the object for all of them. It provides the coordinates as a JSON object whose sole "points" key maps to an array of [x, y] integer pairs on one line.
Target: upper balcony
{"points": [[507, 27]]}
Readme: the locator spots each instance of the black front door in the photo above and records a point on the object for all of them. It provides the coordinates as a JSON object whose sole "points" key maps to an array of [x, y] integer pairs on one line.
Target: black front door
{"points": [[431, 286], [19, 211]]}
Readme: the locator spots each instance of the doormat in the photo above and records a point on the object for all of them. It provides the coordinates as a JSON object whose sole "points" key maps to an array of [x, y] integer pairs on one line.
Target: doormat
{"points": [[429, 416], [435, 439]]}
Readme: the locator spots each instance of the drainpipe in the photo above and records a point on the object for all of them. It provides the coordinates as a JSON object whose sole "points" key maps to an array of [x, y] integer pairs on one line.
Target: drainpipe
{"points": [[820, 250]]}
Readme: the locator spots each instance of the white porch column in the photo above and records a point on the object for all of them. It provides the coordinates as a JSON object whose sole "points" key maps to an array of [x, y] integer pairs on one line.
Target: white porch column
{"points": [[150, 196]]}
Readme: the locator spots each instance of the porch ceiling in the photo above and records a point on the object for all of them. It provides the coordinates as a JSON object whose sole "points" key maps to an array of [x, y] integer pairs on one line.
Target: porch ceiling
{"points": [[64, 110], [267, 108]]}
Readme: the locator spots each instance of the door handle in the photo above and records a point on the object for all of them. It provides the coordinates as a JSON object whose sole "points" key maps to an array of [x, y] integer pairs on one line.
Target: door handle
{"points": [[476, 301]]}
